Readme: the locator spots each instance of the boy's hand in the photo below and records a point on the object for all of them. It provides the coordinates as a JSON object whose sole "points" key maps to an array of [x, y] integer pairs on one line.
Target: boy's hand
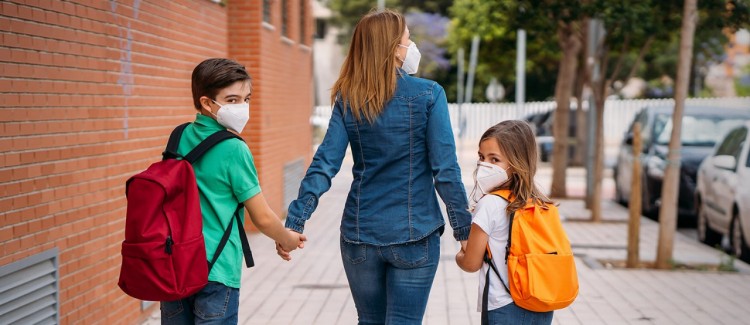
{"points": [[295, 240], [282, 253]]}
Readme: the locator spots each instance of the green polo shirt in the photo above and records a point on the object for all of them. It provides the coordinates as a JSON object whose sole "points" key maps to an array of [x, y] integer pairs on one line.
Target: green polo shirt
{"points": [[226, 177]]}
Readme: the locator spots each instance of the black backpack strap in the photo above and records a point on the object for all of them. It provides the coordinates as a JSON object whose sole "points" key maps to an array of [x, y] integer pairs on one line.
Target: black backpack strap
{"points": [[208, 143], [170, 152], [486, 291], [489, 261], [225, 238], [510, 232], [243, 238], [486, 296]]}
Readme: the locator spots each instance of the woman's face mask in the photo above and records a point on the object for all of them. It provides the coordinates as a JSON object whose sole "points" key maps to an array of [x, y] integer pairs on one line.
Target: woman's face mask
{"points": [[411, 60]]}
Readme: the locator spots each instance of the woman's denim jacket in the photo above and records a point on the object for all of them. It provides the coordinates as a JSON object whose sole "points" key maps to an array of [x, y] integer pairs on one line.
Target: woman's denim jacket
{"points": [[399, 161]]}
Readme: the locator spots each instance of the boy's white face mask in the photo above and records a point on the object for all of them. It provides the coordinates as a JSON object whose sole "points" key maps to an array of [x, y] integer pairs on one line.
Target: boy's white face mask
{"points": [[487, 177], [233, 116]]}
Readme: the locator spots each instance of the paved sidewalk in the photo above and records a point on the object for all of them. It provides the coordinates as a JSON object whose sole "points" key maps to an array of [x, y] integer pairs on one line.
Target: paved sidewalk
{"points": [[312, 288]]}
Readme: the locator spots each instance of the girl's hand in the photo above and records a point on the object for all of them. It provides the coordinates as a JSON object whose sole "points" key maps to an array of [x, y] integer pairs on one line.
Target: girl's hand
{"points": [[471, 256], [460, 257]]}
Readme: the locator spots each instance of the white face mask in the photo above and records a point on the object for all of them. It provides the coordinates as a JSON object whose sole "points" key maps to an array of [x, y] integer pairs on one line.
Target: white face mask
{"points": [[411, 61], [487, 177], [233, 116]]}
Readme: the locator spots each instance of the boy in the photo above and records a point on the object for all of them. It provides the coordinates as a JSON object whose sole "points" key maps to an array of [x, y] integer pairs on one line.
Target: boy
{"points": [[226, 177]]}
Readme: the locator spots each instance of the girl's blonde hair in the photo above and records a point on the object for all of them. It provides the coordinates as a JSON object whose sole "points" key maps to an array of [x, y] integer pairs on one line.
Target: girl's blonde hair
{"points": [[368, 76], [516, 141]]}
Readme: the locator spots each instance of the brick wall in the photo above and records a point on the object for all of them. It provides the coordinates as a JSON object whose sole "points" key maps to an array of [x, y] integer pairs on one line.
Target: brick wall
{"points": [[89, 91], [282, 88]]}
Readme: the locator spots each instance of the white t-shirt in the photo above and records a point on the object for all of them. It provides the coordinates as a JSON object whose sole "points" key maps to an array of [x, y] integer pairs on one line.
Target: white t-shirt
{"points": [[489, 214]]}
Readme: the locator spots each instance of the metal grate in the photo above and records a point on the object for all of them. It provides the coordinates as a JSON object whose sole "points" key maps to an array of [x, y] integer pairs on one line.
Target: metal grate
{"points": [[29, 290], [294, 171]]}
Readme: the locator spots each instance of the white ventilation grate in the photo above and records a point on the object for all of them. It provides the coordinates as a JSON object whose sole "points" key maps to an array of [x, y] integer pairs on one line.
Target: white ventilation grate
{"points": [[29, 290]]}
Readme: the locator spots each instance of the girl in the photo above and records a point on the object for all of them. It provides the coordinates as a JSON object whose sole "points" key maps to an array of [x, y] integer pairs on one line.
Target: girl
{"points": [[507, 160]]}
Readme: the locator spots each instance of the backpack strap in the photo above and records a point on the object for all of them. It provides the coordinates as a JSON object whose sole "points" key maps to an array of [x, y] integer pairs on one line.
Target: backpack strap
{"points": [[486, 291], [208, 143], [489, 261], [225, 238], [170, 152]]}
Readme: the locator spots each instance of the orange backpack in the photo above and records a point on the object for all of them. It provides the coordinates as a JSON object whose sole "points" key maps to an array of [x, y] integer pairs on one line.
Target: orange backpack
{"points": [[541, 267]]}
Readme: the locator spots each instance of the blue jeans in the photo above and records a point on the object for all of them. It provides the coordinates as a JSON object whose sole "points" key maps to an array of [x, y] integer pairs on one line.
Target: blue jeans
{"points": [[512, 314], [214, 304], [390, 284]]}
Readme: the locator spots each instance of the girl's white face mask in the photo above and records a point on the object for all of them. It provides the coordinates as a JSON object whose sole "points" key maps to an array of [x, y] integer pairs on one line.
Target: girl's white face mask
{"points": [[233, 116], [411, 61], [487, 177]]}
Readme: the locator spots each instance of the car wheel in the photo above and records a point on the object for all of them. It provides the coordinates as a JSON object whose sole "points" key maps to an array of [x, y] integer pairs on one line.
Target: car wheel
{"points": [[737, 239], [705, 234]]}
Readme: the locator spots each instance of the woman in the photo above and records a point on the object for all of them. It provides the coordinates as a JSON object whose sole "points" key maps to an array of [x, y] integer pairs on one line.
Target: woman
{"points": [[403, 149]]}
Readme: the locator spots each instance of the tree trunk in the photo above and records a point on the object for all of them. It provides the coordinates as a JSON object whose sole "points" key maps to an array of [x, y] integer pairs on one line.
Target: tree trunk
{"points": [[570, 45], [582, 79], [668, 209], [596, 200], [600, 88]]}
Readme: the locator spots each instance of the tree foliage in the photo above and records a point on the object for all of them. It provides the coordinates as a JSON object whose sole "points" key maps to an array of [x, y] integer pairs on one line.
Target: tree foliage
{"points": [[348, 12], [497, 22]]}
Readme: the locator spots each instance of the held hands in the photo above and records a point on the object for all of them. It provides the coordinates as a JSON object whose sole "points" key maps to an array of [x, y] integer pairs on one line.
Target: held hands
{"points": [[296, 240], [461, 253]]}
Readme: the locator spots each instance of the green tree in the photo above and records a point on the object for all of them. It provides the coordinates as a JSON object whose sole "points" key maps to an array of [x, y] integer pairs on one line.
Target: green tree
{"points": [[348, 12], [496, 23], [426, 21]]}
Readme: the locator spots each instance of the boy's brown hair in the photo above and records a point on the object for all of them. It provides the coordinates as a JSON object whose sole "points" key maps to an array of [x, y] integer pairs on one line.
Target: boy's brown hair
{"points": [[213, 75]]}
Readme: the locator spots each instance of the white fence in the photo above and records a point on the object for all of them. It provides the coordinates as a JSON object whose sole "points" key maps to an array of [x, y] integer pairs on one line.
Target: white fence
{"points": [[475, 118]]}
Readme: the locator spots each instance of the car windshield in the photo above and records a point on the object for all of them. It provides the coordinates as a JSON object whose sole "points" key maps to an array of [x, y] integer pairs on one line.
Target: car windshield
{"points": [[696, 130]]}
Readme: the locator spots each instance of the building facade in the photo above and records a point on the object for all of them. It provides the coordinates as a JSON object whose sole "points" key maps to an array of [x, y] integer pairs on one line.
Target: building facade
{"points": [[89, 92]]}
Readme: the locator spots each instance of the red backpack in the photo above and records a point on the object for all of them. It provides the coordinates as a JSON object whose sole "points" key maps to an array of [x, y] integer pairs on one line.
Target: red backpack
{"points": [[164, 254]]}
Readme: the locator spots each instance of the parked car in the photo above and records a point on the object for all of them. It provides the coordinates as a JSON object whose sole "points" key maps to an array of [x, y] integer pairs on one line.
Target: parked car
{"points": [[543, 123], [722, 197], [702, 127]]}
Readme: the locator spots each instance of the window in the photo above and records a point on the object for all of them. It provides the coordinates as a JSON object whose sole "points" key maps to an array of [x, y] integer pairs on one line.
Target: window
{"points": [[732, 144], [267, 11], [320, 28], [302, 18], [285, 18], [702, 131]]}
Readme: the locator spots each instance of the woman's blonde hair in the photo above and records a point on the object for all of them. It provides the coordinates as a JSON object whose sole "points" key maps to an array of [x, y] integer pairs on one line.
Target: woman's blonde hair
{"points": [[516, 141], [368, 76]]}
